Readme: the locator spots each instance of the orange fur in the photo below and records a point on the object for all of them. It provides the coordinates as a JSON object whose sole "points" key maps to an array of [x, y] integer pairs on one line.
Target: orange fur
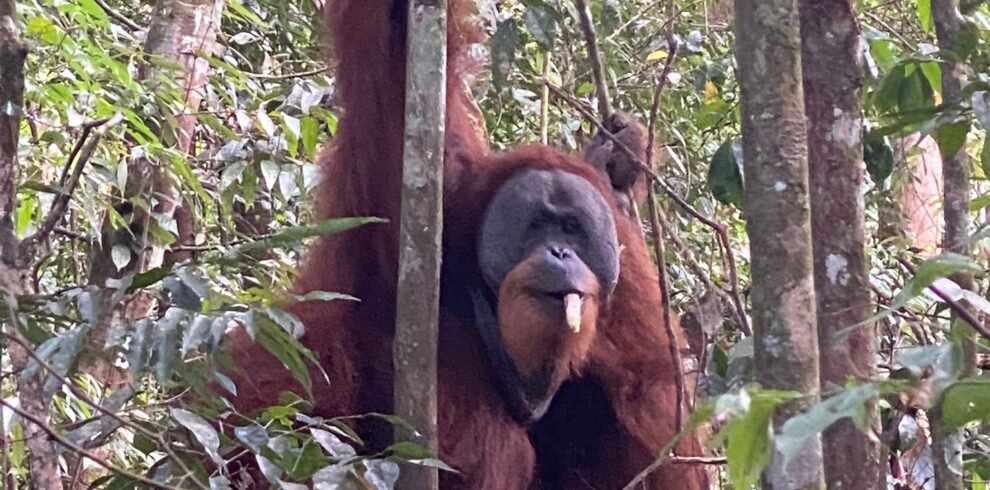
{"points": [[604, 439], [536, 337]]}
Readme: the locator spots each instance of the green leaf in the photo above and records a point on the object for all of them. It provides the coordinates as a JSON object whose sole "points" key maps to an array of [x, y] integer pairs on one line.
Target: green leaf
{"points": [[201, 430], [542, 25], [196, 333], [749, 442], [381, 473], [965, 401], [936, 267], [137, 350], [287, 350], [253, 436], [325, 296], [296, 234], [239, 9], [409, 450], [879, 159], [951, 137], [289, 322], [982, 201], [306, 462], [967, 40], [850, 402], [182, 295], [724, 178], [165, 345], [915, 90], [309, 130], [504, 44], [924, 9], [121, 255], [933, 74], [885, 97], [332, 444], [985, 161]]}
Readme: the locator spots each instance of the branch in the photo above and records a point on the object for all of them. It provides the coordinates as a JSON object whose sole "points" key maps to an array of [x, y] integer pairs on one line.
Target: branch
{"points": [[162, 444], [289, 76], [713, 461], [959, 309], [656, 230], [119, 16], [61, 202], [595, 57], [664, 457], [81, 450]]}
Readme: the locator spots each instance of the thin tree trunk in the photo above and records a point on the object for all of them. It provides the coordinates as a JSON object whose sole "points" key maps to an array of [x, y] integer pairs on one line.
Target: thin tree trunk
{"points": [[13, 276], [947, 445], [420, 231], [775, 159], [832, 68]]}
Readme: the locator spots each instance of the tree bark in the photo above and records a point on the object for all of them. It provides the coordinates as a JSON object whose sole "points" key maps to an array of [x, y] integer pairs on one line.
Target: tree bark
{"points": [[180, 32], [775, 160], [947, 444], [13, 273], [832, 67], [420, 231]]}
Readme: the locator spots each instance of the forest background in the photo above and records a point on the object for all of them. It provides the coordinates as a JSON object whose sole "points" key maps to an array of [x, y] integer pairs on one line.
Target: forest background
{"points": [[156, 187]]}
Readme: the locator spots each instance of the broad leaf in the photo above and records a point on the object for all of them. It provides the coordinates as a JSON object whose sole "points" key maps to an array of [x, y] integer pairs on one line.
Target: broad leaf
{"points": [[724, 178]]}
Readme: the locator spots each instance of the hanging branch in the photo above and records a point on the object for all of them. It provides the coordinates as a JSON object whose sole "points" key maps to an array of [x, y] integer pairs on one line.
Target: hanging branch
{"points": [[657, 233], [595, 57]]}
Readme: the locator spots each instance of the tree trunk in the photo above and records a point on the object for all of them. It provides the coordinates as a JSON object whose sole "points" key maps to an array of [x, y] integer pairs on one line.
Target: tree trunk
{"points": [[420, 231], [13, 271], [832, 67], [775, 160], [179, 32], [947, 445]]}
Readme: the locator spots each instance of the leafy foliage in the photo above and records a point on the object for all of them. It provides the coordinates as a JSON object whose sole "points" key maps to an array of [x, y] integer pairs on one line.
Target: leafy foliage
{"points": [[247, 186]]}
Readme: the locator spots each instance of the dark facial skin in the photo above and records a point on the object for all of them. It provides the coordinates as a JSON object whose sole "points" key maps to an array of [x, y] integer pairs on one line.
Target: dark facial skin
{"points": [[557, 211], [546, 236]]}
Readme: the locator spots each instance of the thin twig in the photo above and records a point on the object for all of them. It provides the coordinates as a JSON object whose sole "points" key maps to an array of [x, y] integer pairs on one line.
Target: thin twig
{"points": [[713, 461], [655, 230], [633, 19], [81, 450], [78, 393], [545, 102], [287, 76], [595, 57], [119, 16], [61, 202], [663, 457], [964, 313]]}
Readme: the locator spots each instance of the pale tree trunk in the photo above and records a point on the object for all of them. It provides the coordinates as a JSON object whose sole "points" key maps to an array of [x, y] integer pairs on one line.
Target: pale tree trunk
{"points": [[832, 66], [13, 268], [775, 160], [179, 33], [420, 231], [947, 445]]}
